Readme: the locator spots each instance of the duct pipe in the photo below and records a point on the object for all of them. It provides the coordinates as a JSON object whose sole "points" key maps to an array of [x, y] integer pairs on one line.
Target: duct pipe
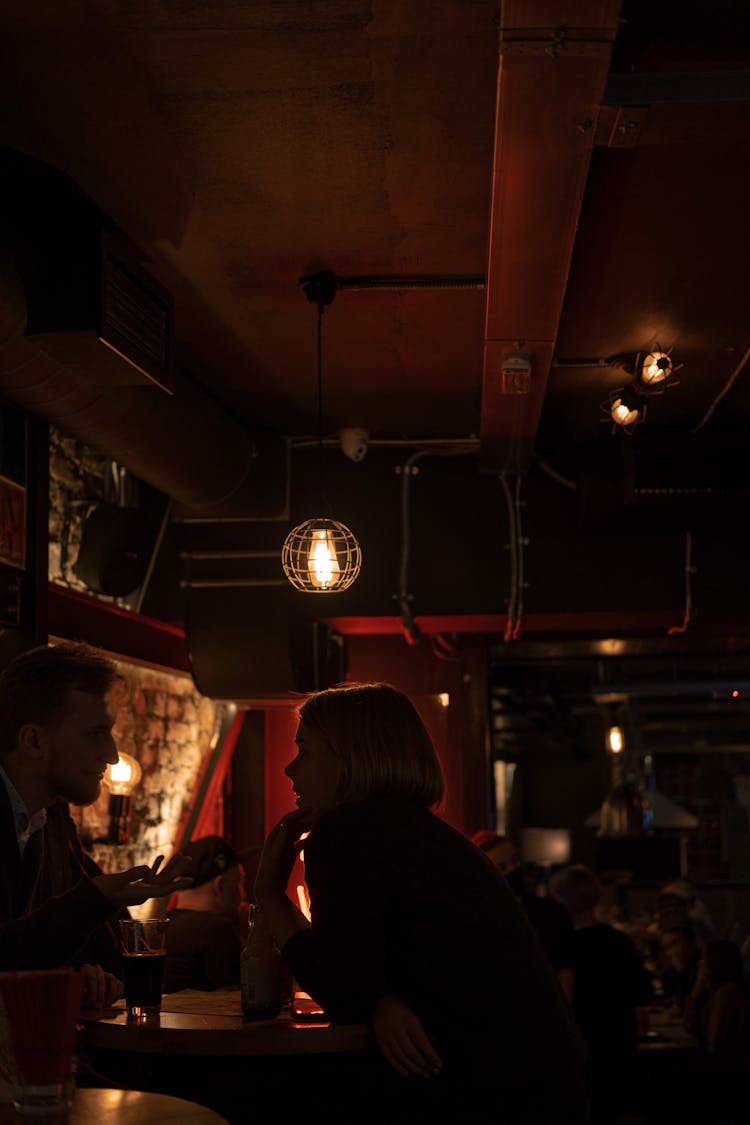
{"points": [[183, 444]]}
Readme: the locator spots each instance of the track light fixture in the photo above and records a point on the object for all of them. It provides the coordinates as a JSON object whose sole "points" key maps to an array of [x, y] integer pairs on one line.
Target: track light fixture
{"points": [[656, 372], [625, 408]]}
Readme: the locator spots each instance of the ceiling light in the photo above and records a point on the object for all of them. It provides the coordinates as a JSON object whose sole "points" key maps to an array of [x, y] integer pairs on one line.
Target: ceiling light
{"points": [[626, 408], [321, 555], [657, 372]]}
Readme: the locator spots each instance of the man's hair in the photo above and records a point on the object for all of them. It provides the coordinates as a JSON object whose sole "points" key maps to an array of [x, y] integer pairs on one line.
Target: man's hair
{"points": [[486, 839], [380, 741], [576, 887], [36, 686]]}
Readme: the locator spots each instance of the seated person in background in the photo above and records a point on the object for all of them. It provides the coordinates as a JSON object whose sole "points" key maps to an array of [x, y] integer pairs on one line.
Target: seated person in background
{"points": [[55, 743], [678, 905], [717, 1011], [609, 985], [549, 919], [680, 956], [203, 948]]}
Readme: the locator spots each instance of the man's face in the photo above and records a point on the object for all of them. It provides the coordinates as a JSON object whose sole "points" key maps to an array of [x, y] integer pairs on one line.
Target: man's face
{"points": [[78, 749]]}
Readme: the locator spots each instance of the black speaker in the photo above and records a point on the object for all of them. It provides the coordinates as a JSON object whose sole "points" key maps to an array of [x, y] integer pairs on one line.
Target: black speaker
{"points": [[116, 546], [252, 642]]}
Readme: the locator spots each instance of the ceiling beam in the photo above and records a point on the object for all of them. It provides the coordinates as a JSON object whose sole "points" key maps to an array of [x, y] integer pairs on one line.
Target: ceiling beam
{"points": [[554, 61]]}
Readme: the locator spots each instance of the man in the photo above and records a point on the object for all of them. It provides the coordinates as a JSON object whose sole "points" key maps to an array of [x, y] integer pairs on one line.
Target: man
{"points": [[549, 920], [610, 985], [203, 949], [55, 742]]}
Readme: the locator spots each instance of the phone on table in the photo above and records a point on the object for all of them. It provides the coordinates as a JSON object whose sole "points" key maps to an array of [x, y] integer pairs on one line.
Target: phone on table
{"points": [[305, 1008]]}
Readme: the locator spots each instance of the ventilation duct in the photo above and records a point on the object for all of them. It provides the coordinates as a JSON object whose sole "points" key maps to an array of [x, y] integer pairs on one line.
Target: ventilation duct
{"points": [[85, 344]]}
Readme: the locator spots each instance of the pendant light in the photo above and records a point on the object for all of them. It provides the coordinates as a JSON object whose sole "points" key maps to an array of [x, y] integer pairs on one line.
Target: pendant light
{"points": [[321, 555]]}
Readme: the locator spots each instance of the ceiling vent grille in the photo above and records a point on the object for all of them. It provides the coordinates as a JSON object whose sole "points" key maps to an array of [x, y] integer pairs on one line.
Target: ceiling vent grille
{"points": [[136, 317]]}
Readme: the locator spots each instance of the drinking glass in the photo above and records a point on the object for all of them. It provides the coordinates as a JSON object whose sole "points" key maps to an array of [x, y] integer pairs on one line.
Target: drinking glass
{"points": [[143, 954], [41, 1008]]}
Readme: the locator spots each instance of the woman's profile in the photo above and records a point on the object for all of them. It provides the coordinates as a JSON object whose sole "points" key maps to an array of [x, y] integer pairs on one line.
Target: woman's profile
{"points": [[413, 929]]}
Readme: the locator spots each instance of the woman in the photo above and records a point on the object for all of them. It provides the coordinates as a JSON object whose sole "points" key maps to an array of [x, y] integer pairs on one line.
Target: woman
{"points": [[413, 928]]}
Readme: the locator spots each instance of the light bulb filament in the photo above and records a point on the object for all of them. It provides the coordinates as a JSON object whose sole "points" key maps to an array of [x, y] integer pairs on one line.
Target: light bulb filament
{"points": [[322, 562]]}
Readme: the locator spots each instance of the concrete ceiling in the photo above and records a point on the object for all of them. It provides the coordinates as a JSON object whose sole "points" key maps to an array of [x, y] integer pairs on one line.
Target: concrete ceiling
{"points": [[589, 161]]}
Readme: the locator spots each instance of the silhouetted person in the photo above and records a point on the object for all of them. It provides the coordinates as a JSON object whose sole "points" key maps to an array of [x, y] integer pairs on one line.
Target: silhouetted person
{"points": [[55, 742], [203, 946], [413, 930], [549, 919], [609, 985]]}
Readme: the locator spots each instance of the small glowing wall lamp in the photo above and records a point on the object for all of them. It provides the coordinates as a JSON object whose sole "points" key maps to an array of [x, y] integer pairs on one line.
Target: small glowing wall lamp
{"points": [[121, 779], [615, 741]]}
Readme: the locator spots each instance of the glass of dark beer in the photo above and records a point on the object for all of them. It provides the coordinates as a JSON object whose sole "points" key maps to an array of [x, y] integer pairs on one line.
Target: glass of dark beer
{"points": [[143, 953]]}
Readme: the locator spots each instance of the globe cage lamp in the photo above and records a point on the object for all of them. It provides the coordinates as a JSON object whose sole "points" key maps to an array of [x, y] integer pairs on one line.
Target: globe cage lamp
{"points": [[321, 555], [121, 779]]}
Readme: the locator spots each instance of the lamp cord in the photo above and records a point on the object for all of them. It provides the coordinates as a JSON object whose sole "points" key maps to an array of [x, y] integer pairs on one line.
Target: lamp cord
{"points": [[688, 614], [321, 469]]}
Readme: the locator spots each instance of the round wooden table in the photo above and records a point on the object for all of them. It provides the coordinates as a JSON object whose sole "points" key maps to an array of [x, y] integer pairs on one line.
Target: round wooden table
{"points": [[126, 1107], [202, 1048]]}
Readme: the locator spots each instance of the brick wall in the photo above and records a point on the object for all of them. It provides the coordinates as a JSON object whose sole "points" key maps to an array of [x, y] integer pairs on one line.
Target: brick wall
{"points": [[165, 724]]}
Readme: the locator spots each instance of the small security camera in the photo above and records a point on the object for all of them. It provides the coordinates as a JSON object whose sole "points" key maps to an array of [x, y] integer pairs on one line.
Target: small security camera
{"points": [[354, 441]]}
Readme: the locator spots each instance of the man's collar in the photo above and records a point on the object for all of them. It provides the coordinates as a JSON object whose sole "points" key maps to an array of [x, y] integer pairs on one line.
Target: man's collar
{"points": [[24, 824]]}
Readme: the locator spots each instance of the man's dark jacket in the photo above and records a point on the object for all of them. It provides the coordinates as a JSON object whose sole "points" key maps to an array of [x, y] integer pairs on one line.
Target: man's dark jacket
{"points": [[50, 935]]}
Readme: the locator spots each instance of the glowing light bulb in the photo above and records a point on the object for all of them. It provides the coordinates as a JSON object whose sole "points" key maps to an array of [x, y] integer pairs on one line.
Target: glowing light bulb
{"points": [[322, 562], [623, 414], [615, 740], [656, 367], [122, 777]]}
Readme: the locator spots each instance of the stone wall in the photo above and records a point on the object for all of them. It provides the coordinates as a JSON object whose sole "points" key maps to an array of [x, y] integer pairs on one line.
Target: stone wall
{"points": [[76, 482], [165, 724]]}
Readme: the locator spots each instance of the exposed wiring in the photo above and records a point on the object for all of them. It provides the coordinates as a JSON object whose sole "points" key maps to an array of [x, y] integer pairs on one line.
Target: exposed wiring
{"points": [[723, 392], [443, 648], [411, 633], [566, 482], [687, 616], [519, 561], [403, 597], [513, 548]]}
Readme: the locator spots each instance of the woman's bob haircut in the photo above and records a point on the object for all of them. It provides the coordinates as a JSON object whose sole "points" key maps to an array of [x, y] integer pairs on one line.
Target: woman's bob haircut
{"points": [[380, 740]]}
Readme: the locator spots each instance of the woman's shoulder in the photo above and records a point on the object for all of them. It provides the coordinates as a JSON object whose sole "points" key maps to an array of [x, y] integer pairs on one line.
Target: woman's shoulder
{"points": [[383, 813]]}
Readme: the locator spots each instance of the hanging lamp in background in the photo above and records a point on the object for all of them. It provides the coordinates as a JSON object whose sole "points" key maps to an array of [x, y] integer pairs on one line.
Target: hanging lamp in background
{"points": [[321, 555]]}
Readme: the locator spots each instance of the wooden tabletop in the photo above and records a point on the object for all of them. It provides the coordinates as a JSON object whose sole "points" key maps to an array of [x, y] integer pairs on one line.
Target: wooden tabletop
{"points": [[211, 1023], [128, 1107]]}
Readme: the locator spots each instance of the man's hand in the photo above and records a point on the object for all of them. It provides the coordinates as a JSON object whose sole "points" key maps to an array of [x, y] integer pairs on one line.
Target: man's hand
{"points": [[403, 1040], [137, 884], [100, 989]]}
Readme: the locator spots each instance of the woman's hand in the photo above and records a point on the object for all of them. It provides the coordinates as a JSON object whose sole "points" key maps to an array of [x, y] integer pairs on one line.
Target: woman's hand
{"points": [[282, 846], [403, 1040]]}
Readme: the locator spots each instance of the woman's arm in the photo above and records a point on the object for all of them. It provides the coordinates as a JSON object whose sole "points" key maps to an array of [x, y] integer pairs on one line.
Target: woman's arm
{"points": [[280, 851]]}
